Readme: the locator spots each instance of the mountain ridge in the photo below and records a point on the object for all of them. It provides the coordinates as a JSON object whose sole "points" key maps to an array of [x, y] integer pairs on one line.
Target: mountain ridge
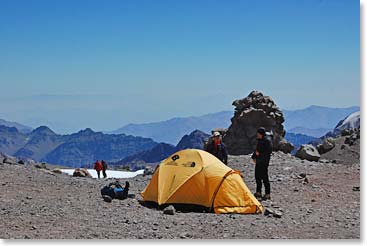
{"points": [[85, 146], [301, 119]]}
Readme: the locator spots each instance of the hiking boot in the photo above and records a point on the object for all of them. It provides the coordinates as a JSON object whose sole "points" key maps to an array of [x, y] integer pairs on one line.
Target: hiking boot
{"points": [[257, 195], [266, 197]]}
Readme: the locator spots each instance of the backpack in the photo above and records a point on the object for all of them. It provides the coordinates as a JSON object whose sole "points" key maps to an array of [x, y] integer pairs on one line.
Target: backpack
{"points": [[115, 190]]}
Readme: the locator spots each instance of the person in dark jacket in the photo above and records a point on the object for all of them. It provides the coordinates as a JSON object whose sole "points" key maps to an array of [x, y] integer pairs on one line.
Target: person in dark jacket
{"points": [[104, 168], [217, 148], [261, 158]]}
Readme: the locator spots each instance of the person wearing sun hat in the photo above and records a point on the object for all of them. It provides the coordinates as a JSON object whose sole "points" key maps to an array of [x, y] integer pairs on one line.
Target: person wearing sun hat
{"points": [[217, 148]]}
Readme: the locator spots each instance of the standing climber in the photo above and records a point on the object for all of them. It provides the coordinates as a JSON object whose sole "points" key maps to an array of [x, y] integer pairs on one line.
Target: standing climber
{"points": [[98, 167], [261, 158], [217, 148], [104, 168]]}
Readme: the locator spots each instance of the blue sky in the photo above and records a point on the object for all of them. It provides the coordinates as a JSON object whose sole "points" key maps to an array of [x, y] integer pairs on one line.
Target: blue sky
{"points": [[143, 61]]}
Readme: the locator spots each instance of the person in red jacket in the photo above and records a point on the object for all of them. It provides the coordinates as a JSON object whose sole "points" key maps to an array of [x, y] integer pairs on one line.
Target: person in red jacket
{"points": [[98, 167]]}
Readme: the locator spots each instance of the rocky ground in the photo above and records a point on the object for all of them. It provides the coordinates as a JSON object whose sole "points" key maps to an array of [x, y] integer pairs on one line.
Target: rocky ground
{"points": [[344, 153], [314, 200]]}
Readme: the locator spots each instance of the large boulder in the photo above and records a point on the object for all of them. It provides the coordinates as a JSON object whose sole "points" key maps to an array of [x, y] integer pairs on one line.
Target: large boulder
{"points": [[285, 146], [327, 145], [81, 172], [308, 152], [252, 112]]}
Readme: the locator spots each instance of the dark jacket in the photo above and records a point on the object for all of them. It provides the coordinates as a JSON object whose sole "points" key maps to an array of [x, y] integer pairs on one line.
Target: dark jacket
{"points": [[220, 152], [104, 165], [264, 147]]}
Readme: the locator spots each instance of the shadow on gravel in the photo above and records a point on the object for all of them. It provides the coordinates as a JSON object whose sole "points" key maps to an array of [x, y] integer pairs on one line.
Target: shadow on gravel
{"points": [[183, 208]]}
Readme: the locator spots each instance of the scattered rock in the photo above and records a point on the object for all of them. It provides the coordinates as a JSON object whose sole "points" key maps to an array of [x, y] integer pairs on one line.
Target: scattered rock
{"points": [[327, 145], [268, 211], [148, 170], [10, 161], [169, 210], [277, 214], [185, 235], [308, 152], [302, 175], [356, 188], [81, 172], [285, 146], [48, 172], [57, 170]]}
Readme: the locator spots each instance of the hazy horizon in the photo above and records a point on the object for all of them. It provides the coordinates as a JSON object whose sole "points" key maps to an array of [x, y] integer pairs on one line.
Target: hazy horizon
{"points": [[60, 126]]}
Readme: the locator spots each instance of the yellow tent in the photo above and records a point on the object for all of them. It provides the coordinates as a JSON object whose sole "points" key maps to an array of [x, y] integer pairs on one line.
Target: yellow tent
{"points": [[196, 177]]}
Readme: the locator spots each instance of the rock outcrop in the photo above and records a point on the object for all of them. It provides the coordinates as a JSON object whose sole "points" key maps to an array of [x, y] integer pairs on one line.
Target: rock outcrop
{"points": [[194, 140], [308, 152], [81, 172], [252, 112], [327, 145], [148, 170]]}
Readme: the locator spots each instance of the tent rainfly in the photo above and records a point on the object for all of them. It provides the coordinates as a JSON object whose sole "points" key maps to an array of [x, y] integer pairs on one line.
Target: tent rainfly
{"points": [[196, 177]]}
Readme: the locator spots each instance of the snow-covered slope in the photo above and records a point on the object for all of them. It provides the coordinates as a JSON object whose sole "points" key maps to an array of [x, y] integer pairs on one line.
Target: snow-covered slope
{"points": [[351, 121]]}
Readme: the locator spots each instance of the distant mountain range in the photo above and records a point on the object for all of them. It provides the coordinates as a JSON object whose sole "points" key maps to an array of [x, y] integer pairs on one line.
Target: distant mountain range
{"points": [[313, 121], [171, 131], [86, 146], [309, 132], [194, 140], [20, 127], [74, 150]]}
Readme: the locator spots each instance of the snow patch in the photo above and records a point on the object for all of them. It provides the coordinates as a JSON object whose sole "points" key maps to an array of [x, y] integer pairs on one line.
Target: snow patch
{"points": [[352, 121], [110, 173]]}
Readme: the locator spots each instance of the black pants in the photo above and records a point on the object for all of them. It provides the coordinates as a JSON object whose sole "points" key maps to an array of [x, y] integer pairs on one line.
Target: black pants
{"points": [[98, 173], [261, 175], [104, 173]]}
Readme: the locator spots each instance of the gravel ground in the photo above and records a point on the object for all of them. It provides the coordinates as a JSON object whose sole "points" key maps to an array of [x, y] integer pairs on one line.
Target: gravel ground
{"points": [[36, 204]]}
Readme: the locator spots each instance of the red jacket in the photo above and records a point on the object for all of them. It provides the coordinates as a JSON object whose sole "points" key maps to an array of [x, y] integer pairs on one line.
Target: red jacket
{"points": [[98, 166]]}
